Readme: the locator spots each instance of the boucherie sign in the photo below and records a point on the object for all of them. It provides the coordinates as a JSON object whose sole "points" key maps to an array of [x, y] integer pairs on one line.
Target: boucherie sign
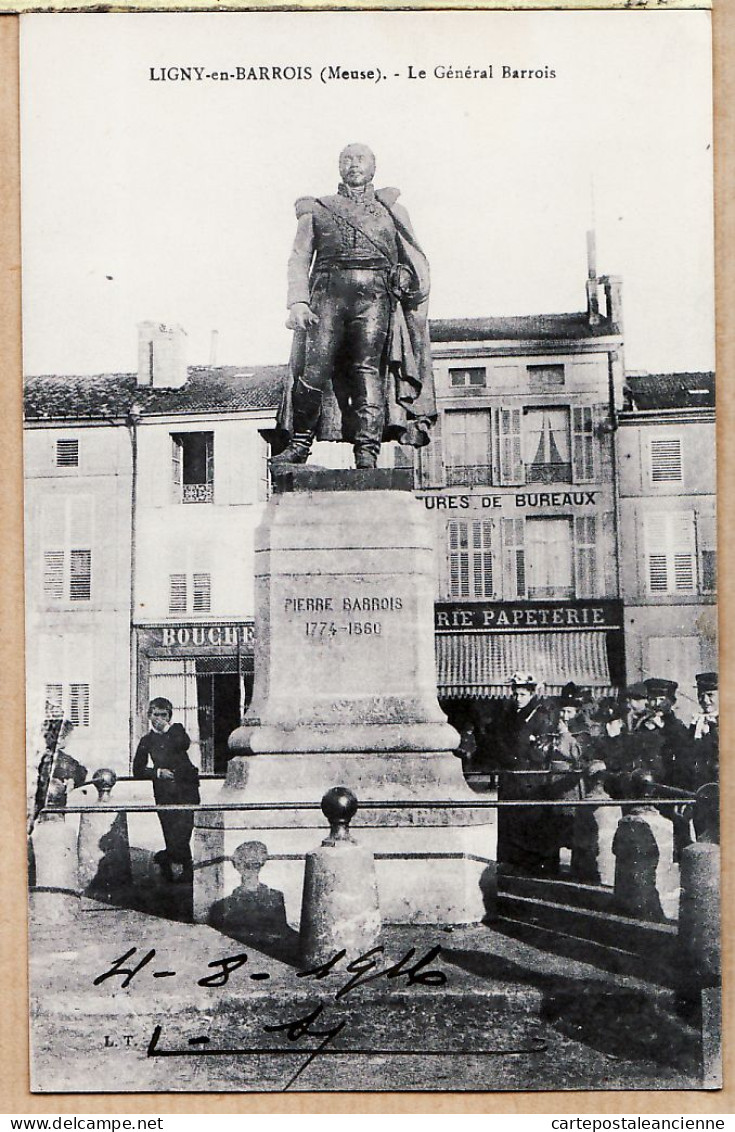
{"points": [[524, 615], [210, 636]]}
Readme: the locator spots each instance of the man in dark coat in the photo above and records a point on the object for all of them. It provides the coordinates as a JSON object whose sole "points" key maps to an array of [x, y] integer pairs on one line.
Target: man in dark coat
{"points": [[704, 734], [700, 765], [162, 757], [358, 285]]}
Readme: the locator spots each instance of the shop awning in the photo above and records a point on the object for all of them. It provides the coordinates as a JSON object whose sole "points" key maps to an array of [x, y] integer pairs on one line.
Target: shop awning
{"points": [[481, 664]]}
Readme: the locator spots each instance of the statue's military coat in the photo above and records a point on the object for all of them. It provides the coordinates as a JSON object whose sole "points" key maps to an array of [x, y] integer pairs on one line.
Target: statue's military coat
{"points": [[410, 401]]}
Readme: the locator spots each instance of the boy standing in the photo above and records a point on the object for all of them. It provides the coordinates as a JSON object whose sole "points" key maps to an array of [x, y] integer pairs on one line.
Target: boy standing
{"points": [[162, 756]]}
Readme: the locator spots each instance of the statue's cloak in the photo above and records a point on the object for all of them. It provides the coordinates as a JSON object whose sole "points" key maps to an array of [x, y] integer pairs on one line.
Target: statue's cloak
{"points": [[411, 401]]}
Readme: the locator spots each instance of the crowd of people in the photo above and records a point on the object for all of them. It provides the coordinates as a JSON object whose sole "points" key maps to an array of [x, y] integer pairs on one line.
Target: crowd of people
{"points": [[563, 748]]}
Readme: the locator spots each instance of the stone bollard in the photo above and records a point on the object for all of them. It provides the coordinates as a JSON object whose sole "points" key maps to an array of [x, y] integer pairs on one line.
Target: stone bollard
{"points": [[593, 860], [340, 901], [699, 915], [55, 896], [646, 876], [103, 845]]}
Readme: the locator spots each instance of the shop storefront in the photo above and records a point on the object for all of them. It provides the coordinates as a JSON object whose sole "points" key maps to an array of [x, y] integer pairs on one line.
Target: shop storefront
{"points": [[479, 645], [206, 671]]}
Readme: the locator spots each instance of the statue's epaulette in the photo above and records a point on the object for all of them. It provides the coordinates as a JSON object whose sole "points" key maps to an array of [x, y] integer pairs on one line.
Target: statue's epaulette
{"points": [[304, 205], [388, 197]]}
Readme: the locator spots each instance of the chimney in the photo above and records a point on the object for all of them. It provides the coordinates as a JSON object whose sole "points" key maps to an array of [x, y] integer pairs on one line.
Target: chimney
{"points": [[593, 304], [613, 285], [161, 356]]}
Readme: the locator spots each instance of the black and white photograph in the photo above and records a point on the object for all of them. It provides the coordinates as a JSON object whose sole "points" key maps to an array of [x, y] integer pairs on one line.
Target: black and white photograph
{"points": [[372, 678]]}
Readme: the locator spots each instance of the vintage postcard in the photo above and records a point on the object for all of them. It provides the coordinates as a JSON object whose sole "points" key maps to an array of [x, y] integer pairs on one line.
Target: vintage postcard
{"points": [[371, 559]]}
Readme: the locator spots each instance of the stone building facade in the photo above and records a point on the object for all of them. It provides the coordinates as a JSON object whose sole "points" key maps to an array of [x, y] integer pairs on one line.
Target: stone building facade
{"points": [[551, 484], [667, 492]]}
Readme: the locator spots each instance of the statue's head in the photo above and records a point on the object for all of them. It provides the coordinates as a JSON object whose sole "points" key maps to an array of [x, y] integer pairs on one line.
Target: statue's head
{"points": [[356, 165]]}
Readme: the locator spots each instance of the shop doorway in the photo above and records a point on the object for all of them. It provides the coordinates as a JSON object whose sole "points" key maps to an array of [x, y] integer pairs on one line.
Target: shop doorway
{"points": [[223, 693], [210, 695]]}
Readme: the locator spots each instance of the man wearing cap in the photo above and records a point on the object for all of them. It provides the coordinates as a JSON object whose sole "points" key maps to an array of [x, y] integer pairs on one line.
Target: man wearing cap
{"points": [[525, 838], [674, 747], [702, 765], [636, 705]]}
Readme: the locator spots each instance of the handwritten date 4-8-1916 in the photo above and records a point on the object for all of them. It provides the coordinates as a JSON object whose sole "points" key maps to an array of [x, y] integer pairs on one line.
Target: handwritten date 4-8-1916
{"points": [[364, 969]]}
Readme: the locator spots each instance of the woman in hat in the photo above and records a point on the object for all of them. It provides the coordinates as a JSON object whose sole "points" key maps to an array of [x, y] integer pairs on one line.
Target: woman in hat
{"points": [[524, 837]]}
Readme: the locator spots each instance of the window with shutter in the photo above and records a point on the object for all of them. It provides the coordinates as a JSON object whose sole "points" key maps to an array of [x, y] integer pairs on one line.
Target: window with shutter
{"points": [[54, 700], [514, 559], [53, 575], [264, 474], [470, 558], [202, 593], [585, 556], [79, 704], [176, 464], [177, 593], [666, 464], [467, 448], [67, 453], [67, 530], [80, 575], [583, 447], [482, 558], [707, 543], [430, 464], [511, 455], [671, 563], [458, 559]]}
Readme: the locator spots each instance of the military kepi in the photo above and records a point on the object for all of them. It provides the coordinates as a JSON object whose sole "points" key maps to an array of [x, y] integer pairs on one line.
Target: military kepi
{"points": [[707, 682]]}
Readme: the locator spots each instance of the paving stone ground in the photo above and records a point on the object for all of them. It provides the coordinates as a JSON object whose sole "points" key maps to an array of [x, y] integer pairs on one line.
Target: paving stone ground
{"points": [[485, 1012]]}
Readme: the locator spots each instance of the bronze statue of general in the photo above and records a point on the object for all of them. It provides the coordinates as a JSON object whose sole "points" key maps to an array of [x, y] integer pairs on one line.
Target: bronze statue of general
{"points": [[358, 286]]}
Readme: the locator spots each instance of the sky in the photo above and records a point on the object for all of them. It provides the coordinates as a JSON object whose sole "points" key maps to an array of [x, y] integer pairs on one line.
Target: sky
{"points": [[174, 201]]}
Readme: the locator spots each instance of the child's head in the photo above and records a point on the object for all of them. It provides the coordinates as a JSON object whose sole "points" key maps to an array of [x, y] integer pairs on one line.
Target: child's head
{"points": [[160, 711]]}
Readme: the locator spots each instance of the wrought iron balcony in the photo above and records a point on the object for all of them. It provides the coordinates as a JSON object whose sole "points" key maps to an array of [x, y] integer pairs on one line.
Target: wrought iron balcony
{"points": [[197, 493], [469, 475], [548, 473]]}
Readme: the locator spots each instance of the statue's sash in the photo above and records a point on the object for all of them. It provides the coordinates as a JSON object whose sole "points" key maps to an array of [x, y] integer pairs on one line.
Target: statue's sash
{"points": [[342, 211]]}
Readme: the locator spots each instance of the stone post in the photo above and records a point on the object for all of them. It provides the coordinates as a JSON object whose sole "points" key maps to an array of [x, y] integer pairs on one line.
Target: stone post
{"points": [[646, 876], [340, 902], [103, 845], [699, 914], [55, 897], [593, 860]]}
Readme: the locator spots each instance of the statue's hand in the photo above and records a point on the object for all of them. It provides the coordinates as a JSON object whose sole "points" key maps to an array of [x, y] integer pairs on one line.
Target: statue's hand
{"points": [[301, 316]]}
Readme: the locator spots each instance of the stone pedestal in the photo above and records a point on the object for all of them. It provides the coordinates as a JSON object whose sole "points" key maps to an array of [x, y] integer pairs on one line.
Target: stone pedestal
{"points": [[345, 695]]}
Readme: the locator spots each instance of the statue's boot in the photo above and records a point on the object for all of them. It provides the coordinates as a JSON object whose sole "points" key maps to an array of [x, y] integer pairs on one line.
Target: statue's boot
{"points": [[307, 407], [368, 434]]}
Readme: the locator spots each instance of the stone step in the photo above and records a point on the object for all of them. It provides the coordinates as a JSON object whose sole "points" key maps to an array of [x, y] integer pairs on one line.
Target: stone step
{"points": [[596, 898], [604, 957], [658, 941]]}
